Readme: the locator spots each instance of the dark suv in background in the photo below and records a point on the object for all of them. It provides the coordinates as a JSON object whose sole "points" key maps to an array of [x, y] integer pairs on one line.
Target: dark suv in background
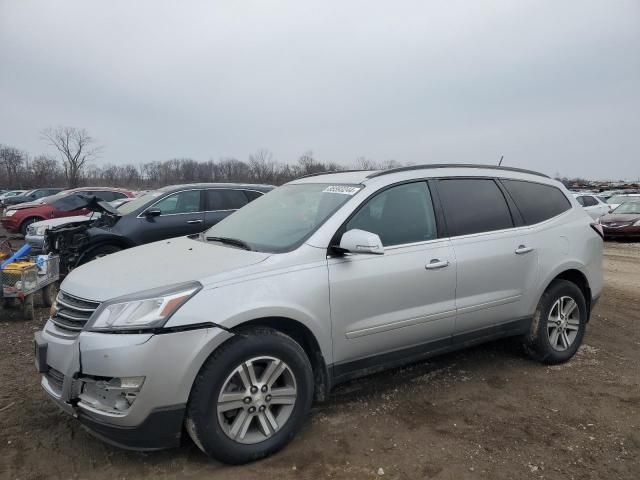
{"points": [[168, 212]]}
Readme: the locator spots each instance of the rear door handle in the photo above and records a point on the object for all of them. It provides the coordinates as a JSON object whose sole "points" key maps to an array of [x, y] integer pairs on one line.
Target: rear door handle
{"points": [[523, 249], [435, 264], [194, 221]]}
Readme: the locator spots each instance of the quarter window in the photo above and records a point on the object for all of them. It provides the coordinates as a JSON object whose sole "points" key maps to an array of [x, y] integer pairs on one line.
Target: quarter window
{"points": [[223, 199], [399, 215], [536, 202], [589, 201], [181, 202], [473, 205]]}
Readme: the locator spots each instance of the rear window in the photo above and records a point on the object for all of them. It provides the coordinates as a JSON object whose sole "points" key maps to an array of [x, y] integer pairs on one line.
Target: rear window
{"points": [[536, 202], [225, 199], [473, 205]]}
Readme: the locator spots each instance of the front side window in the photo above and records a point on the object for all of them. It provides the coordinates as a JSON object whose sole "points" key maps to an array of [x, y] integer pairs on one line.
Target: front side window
{"points": [[225, 199], [537, 202], [589, 201], [399, 215], [473, 205], [181, 202], [283, 218]]}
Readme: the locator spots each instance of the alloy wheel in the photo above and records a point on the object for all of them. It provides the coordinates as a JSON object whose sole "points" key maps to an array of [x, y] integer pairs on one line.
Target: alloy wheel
{"points": [[256, 399], [563, 323]]}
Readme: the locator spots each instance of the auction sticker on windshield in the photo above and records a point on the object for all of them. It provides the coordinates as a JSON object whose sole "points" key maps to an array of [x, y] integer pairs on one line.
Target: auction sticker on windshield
{"points": [[342, 189]]}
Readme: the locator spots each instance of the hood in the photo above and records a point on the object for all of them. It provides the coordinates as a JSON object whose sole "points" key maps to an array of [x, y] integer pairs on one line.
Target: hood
{"points": [[56, 222], [619, 217], [155, 265], [20, 206]]}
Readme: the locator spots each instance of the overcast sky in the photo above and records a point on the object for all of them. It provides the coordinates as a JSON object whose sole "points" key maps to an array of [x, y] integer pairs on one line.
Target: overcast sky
{"points": [[551, 85]]}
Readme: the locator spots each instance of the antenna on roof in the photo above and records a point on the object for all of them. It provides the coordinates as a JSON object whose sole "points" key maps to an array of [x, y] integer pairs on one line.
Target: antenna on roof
{"points": [[500, 162]]}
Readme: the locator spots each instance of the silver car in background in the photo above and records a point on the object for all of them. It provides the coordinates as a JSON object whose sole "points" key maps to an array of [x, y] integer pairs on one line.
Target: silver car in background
{"points": [[234, 332]]}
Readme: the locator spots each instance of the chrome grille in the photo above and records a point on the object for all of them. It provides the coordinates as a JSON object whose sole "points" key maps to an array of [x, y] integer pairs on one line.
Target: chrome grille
{"points": [[72, 313]]}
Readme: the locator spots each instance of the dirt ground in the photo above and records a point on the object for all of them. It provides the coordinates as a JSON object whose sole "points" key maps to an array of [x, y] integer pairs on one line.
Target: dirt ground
{"points": [[487, 412]]}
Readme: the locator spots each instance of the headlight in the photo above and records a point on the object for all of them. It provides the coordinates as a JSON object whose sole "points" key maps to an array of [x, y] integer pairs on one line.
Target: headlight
{"points": [[9, 213], [144, 310], [41, 230], [636, 223]]}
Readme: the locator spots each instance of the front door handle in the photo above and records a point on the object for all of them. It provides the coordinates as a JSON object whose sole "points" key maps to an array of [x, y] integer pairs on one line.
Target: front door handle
{"points": [[194, 221], [434, 264], [523, 249]]}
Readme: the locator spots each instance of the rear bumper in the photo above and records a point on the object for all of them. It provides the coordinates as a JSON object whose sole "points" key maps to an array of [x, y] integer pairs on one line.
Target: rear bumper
{"points": [[36, 242], [621, 232]]}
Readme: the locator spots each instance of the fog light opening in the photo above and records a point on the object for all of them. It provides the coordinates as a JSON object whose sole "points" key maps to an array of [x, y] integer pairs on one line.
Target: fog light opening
{"points": [[110, 395]]}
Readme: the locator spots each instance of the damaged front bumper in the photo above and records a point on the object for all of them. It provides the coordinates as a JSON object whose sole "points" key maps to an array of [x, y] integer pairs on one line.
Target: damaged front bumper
{"points": [[130, 390]]}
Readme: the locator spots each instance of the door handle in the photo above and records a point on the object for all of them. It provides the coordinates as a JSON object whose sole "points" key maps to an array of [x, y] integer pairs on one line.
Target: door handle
{"points": [[194, 221], [523, 249], [434, 264]]}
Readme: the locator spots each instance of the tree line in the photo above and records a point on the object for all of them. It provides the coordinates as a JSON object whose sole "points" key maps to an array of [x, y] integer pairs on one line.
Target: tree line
{"points": [[75, 163]]}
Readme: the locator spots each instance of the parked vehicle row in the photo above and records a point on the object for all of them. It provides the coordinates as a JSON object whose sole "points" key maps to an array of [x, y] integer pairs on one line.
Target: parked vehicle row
{"points": [[230, 334], [160, 214], [29, 196], [17, 218]]}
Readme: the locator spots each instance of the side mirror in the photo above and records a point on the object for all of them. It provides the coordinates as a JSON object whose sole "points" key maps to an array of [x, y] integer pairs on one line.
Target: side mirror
{"points": [[153, 212], [360, 241]]}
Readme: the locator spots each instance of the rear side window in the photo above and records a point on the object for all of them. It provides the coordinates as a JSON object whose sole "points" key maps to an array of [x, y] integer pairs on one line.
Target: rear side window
{"points": [[536, 202], [223, 199], [587, 201], [473, 205], [252, 194]]}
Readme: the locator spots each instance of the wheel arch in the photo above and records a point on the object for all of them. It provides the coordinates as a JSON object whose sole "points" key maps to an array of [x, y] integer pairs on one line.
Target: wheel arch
{"points": [[37, 218], [306, 339], [579, 279]]}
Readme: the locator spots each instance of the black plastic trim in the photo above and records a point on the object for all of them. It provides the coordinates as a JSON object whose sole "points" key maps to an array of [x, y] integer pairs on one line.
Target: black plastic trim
{"points": [[165, 330], [358, 368], [161, 429]]}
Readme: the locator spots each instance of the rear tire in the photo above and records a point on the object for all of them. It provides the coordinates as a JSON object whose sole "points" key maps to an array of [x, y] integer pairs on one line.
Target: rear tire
{"points": [[250, 397], [559, 323]]}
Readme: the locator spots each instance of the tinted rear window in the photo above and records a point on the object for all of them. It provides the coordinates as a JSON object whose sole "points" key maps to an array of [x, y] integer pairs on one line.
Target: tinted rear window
{"points": [[536, 202], [473, 205], [223, 199]]}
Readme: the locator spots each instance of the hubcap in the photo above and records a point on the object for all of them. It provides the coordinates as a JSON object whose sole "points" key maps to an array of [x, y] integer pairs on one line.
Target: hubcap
{"points": [[563, 323], [256, 400]]}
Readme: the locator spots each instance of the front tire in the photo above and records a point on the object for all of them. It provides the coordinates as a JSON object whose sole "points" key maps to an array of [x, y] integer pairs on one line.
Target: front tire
{"points": [[250, 397], [559, 323]]}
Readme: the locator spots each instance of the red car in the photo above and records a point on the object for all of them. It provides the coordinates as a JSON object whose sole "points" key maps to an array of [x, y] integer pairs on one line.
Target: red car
{"points": [[623, 222], [17, 218]]}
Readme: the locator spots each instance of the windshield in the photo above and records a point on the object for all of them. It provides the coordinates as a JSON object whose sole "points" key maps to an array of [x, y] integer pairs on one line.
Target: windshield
{"points": [[138, 202], [629, 207], [620, 199], [283, 218]]}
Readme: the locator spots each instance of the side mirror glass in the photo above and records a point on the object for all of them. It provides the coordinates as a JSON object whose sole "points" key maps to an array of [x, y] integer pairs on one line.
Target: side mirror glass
{"points": [[360, 241], [152, 212]]}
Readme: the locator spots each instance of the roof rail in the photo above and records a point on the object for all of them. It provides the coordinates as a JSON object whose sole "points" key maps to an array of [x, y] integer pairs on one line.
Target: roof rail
{"points": [[328, 172], [453, 165]]}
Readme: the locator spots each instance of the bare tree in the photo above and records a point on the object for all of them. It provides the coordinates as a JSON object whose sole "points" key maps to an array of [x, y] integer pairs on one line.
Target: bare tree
{"points": [[12, 160], [76, 147]]}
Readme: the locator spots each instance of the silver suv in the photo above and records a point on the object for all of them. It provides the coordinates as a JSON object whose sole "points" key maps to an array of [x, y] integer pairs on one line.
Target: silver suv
{"points": [[234, 332]]}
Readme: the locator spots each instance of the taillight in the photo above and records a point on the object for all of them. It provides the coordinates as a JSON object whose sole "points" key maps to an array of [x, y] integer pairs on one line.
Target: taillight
{"points": [[598, 228]]}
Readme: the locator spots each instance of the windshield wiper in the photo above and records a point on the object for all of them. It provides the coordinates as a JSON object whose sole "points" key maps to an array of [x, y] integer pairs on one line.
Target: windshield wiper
{"points": [[230, 241]]}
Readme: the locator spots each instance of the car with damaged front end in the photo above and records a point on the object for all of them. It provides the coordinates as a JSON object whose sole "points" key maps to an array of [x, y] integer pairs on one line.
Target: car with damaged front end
{"points": [[231, 333]]}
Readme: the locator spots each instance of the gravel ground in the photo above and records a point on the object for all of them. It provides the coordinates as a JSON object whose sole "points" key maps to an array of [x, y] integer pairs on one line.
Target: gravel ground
{"points": [[487, 412]]}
